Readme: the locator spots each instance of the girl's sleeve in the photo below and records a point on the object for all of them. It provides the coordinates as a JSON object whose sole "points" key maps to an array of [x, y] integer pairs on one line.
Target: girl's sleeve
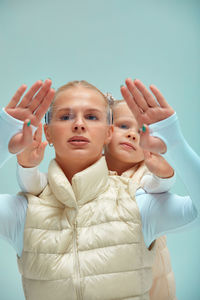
{"points": [[164, 213], [12, 220], [154, 184], [180, 155], [31, 180], [9, 126]]}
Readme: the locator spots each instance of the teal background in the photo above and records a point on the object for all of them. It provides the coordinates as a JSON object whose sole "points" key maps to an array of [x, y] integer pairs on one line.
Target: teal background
{"points": [[104, 42]]}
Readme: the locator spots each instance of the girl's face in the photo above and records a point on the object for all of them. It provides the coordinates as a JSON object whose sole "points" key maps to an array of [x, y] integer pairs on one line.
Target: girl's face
{"points": [[78, 128], [124, 145]]}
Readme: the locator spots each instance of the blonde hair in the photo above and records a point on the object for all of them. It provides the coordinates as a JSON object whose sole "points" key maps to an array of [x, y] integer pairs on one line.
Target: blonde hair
{"points": [[113, 103], [75, 84]]}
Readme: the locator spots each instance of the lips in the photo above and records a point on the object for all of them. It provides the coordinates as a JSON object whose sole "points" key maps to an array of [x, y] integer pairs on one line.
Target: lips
{"points": [[128, 145], [78, 141]]}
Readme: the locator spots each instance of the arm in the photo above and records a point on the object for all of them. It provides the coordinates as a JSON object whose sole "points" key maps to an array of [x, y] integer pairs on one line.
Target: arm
{"points": [[180, 155], [12, 219], [154, 184], [161, 177], [9, 127], [29, 178], [166, 138]]}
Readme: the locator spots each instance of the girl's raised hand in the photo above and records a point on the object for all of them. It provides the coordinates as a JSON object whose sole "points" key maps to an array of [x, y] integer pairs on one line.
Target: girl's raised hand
{"points": [[34, 153], [158, 165], [147, 108]]}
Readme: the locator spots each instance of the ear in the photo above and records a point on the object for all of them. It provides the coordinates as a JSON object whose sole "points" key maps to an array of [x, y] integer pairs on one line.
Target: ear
{"points": [[47, 133], [109, 134]]}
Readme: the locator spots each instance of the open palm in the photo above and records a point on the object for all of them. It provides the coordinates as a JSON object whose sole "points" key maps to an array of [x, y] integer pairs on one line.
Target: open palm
{"points": [[147, 108], [31, 108]]}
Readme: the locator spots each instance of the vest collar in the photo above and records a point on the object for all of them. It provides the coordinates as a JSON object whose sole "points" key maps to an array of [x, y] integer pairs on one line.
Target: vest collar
{"points": [[86, 185], [130, 172]]}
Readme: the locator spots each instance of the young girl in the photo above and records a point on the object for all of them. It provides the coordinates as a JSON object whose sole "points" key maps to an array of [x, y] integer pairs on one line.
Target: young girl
{"points": [[83, 237], [124, 155]]}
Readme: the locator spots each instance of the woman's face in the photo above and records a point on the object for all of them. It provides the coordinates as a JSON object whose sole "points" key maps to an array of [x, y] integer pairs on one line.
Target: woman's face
{"points": [[78, 128], [124, 145]]}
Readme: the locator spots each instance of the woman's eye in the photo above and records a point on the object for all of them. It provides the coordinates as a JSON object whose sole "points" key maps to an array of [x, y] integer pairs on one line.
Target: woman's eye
{"points": [[123, 126], [66, 117], [91, 117]]}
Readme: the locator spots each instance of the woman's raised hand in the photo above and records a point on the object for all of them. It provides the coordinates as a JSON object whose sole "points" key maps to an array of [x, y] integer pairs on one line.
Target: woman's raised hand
{"points": [[30, 109], [34, 152]]}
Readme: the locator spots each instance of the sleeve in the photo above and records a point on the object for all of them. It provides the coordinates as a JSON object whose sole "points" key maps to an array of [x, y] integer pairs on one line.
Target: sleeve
{"points": [[154, 184], [9, 126], [31, 180], [180, 155], [12, 220], [177, 212]]}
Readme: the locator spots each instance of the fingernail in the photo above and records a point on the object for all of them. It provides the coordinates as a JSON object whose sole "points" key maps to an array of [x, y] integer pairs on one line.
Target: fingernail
{"points": [[29, 123], [143, 128], [121, 85]]}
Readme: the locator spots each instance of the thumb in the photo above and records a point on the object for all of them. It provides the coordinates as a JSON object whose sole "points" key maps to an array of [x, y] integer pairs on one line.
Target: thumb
{"points": [[147, 154], [42, 148], [27, 136], [21, 139], [151, 143]]}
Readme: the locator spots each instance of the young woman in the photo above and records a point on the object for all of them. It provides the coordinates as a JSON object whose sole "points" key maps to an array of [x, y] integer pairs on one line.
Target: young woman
{"points": [[86, 235]]}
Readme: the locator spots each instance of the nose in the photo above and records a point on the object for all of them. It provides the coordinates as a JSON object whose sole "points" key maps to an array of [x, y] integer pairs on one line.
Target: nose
{"points": [[132, 136], [78, 125]]}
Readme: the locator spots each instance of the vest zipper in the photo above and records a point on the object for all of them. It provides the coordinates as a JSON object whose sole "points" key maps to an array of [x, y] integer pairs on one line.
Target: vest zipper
{"points": [[76, 264]]}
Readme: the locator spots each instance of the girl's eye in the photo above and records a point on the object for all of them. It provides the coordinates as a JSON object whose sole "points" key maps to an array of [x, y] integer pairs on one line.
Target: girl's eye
{"points": [[123, 126], [91, 117], [66, 117]]}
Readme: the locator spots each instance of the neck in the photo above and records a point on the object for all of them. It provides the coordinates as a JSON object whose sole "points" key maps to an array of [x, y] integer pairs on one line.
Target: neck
{"points": [[117, 165], [73, 166]]}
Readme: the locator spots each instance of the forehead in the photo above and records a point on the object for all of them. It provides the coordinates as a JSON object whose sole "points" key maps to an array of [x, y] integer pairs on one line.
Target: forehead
{"points": [[122, 110], [79, 97]]}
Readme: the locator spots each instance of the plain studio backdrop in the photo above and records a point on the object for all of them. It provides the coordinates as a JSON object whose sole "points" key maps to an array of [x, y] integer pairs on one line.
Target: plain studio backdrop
{"points": [[104, 42]]}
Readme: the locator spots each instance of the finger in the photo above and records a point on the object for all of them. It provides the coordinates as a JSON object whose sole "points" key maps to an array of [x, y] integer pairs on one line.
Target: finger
{"points": [[42, 148], [37, 100], [44, 106], [139, 98], [17, 96], [146, 94], [131, 104], [22, 139], [31, 92], [38, 133], [161, 100], [27, 136], [147, 154], [151, 143]]}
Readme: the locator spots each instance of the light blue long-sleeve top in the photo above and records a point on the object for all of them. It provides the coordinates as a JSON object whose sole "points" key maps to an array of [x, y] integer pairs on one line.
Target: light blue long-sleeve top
{"points": [[176, 211]]}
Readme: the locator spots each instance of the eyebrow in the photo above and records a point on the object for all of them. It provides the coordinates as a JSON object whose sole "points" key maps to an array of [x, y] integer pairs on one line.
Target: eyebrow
{"points": [[71, 109]]}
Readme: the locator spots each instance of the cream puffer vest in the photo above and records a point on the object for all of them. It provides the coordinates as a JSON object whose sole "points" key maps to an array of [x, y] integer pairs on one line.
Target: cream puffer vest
{"points": [[84, 240], [163, 285]]}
